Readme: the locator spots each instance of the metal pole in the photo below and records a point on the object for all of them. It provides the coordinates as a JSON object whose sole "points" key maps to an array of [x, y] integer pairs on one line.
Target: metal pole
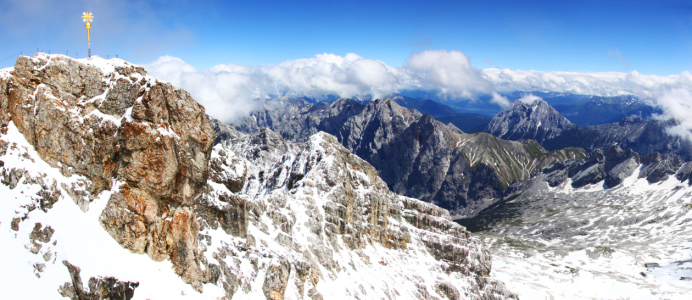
{"points": [[88, 26], [87, 20]]}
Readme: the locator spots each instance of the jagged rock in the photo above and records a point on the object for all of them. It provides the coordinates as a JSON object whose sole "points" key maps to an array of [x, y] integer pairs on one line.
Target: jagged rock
{"points": [[11, 178], [610, 164], [621, 171], [229, 211], [276, 279], [228, 169], [42, 235], [642, 136], [685, 173], [447, 289], [325, 172], [99, 288], [141, 224], [660, 166]]}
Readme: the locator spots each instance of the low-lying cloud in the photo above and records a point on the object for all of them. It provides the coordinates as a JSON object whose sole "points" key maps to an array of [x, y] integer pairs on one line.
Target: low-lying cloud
{"points": [[586, 83], [229, 91], [529, 98]]}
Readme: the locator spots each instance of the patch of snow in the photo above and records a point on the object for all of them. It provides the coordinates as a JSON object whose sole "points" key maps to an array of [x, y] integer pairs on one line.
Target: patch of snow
{"points": [[79, 239]]}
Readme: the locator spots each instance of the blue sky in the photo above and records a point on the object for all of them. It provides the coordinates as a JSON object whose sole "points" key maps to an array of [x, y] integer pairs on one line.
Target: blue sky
{"points": [[651, 37]]}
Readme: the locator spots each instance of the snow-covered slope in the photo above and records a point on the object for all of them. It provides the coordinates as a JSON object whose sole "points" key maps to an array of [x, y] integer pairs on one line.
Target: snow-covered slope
{"points": [[113, 190], [552, 240], [42, 225], [325, 214]]}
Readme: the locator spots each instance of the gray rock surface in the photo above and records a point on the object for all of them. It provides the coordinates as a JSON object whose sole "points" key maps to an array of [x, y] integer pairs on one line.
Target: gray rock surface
{"points": [[98, 288], [537, 121], [660, 166]]}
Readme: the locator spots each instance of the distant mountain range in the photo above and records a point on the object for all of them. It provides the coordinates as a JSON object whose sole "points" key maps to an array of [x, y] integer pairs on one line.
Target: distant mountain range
{"points": [[583, 110], [414, 154], [554, 131]]}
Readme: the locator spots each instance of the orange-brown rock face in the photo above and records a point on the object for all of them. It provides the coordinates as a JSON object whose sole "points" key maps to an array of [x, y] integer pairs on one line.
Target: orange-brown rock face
{"points": [[108, 120]]}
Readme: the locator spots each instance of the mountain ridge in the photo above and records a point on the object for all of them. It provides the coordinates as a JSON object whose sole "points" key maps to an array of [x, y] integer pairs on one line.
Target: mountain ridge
{"points": [[415, 154]]}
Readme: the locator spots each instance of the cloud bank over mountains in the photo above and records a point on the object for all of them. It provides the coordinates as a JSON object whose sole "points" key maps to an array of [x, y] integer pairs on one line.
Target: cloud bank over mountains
{"points": [[229, 91], [587, 83]]}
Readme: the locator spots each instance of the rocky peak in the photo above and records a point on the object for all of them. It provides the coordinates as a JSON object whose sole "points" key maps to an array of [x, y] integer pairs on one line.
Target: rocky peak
{"points": [[537, 120], [109, 121]]}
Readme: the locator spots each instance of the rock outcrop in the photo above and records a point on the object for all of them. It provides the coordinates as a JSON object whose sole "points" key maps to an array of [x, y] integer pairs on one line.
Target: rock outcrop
{"points": [[110, 120], [100, 288]]}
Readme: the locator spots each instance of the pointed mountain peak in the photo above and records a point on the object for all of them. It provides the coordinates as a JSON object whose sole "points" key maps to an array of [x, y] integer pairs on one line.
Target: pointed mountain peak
{"points": [[529, 118]]}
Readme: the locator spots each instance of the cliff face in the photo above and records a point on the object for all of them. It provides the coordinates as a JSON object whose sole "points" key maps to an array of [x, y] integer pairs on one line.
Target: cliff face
{"points": [[254, 216]]}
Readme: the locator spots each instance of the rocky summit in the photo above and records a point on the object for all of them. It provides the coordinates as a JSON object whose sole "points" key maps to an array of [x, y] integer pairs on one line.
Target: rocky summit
{"points": [[536, 120], [117, 186]]}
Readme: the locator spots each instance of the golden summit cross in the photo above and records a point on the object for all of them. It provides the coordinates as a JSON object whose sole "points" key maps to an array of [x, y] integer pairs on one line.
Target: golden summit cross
{"points": [[86, 17]]}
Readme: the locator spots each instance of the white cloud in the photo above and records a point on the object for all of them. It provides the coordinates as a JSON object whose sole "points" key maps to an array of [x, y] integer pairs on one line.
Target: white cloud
{"points": [[500, 100], [586, 83], [448, 72], [677, 104], [529, 98], [228, 91]]}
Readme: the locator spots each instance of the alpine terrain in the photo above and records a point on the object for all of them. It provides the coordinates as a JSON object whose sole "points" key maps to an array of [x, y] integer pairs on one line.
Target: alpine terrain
{"points": [[616, 221], [416, 155], [118, 186]]}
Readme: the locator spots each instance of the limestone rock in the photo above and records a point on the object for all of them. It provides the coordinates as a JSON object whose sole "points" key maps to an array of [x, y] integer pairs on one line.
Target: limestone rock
{"points": [[228, 169], [99, 288], [276, 280], [660, 166], [107, 120]]}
